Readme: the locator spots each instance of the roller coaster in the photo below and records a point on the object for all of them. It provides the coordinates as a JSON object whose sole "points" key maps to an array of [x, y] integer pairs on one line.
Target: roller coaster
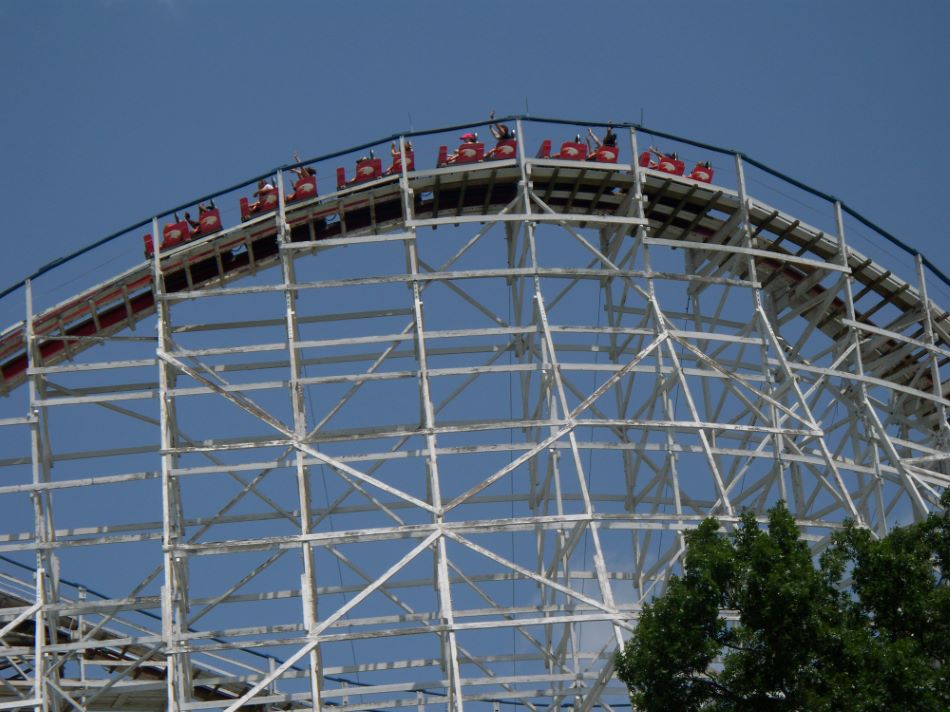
{"points": [[433, 439]]}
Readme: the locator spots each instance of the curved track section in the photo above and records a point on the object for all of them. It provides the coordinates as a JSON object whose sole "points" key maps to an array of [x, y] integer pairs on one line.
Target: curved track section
{"points": [[433, 441]]}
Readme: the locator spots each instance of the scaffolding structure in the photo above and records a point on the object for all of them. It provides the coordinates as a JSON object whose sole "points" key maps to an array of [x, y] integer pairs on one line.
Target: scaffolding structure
{"points": [[433, 440]]}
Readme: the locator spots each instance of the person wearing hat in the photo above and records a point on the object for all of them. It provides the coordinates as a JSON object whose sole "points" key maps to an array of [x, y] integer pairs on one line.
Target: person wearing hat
{"points": [[467, 137]]}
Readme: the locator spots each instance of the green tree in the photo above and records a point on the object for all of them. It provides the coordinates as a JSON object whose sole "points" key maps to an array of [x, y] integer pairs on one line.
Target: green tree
{"points": [[754, 625]]}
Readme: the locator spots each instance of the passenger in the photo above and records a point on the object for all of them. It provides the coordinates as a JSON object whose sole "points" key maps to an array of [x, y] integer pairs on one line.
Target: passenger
{"points": [[356, 171], [302, 172], [610, 139], [172, 235], [465, 138], [357, 178], [667, 162], [394, 149], [397, 157], [263, 187], [501, 133], [187, 219], [209, 218], [660, 155], [193, 224]]}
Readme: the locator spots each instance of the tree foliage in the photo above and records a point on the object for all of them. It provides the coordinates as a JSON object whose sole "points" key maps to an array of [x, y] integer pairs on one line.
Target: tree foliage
{"points": [[753, 624]]}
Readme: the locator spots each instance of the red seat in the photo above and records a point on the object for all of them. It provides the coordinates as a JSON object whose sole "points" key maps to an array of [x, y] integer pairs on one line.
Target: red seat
{"points": [[545, 150], [646, 161], [396, 167], [175, 234], [668, 164], [605, 154], [172, 234], [368, 169], [506, 148], [209, 221], [268, 201], [443, 156], [470, 153], [702, 172], [304, 188], [572, 151]]}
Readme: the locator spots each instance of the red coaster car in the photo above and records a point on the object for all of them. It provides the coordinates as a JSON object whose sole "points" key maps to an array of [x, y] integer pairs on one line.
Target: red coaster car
{"points": [[573, 151], [646, 160], [396, 167], [605, 154], [506, 148], [702, 172], [209, 221], [267, 203], [671, 164], [173, 234], [366, 169], [304, 188], [467, 153], [545, 150]]}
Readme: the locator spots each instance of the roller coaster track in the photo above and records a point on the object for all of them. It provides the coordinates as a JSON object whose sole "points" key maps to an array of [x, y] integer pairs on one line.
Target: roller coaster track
{"points": [[792, 255]]}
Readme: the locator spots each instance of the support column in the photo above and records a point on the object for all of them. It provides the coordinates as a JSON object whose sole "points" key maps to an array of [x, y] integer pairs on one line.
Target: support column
{"points": [[47, 566], [558, 393], [766, 329], [667, 405], [174, 565], [298, 406], [936, 384], [855, 338], [778, 444], [873, 422], [450, 652]]}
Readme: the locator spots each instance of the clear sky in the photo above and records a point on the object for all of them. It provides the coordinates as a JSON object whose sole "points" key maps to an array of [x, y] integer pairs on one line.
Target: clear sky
{"points": [[115, 109]]}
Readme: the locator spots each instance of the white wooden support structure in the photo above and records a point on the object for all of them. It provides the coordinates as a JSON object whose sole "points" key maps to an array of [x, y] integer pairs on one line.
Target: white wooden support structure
{"points": [[434, 439]]}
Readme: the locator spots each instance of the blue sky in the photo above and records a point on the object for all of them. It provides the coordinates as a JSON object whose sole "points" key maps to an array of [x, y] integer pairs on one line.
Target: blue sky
{"points": [[113, 110], [116, 109]]}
